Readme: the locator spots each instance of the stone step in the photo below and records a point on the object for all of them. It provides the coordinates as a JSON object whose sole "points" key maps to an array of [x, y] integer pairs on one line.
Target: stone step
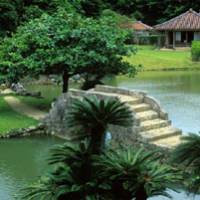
{"points": [[170, 142], [161, 133], [130, 100], [123, 98], [153, 124], [146, 115], [141, 107]]}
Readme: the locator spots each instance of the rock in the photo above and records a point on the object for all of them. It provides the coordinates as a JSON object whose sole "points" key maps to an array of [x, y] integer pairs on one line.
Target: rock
{"points": [[33, 130], [3, 86], [7, 91], [18, 87]]}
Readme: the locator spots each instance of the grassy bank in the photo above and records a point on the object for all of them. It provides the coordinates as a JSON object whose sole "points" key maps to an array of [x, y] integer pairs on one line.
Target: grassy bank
{"points": [[154, 59], [42, 104], [10, 119]]}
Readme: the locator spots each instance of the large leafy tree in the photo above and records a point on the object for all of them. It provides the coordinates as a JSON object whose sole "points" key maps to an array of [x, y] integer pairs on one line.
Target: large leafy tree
{"points": [[65, 44]]}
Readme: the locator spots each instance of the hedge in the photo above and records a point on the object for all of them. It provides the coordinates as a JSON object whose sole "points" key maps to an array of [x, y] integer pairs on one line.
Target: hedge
{"points": [[195, 51]]}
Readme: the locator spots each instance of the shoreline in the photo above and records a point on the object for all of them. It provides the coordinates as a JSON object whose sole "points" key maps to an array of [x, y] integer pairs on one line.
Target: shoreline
{"points": [[171, 69]]}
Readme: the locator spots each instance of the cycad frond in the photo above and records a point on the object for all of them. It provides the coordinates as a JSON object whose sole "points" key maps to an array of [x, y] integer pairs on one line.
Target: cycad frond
{"points": [[68, 153], [136, 169], [188, 152], [93, 112]]}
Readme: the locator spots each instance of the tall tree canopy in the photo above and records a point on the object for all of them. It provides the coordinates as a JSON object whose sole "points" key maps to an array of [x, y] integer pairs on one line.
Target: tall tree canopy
{"points": [[149, 11], [65, 44], [15, 12]]}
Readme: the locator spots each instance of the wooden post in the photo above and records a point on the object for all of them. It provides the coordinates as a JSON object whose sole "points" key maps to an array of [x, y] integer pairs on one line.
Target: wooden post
{"points": [[174, 39], [166, 39], [186, 38], [159, 41]]}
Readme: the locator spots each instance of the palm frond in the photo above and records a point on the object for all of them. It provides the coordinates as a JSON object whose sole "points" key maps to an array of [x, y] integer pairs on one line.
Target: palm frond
{"points": [[93, 112], [188, 152], [68, 153], [136, 169]]}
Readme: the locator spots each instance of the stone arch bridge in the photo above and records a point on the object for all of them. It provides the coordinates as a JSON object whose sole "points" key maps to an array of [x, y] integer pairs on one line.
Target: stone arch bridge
{"points": [[151, 122]]}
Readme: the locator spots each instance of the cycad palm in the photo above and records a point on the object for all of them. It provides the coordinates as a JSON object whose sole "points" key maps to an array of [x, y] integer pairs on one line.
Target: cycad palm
{"points": [[188, 152], [70, 179], [135, 174], [94, 115], [74, 176], [188, 155]]}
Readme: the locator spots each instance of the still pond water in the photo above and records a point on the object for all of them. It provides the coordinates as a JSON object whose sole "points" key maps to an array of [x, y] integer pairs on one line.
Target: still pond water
{"points": [[23, 160]]}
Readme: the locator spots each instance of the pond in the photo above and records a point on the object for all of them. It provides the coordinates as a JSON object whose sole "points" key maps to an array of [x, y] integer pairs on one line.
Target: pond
{"points": [[21, 162]]}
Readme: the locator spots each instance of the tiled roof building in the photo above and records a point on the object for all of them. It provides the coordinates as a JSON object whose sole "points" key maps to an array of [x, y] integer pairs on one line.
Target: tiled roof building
{"points": [[181, 30]]}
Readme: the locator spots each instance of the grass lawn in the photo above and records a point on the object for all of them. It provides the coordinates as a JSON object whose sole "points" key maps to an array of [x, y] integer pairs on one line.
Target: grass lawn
{"points": [[43, 104], [154, 59], [49, 94], [10, 120]]}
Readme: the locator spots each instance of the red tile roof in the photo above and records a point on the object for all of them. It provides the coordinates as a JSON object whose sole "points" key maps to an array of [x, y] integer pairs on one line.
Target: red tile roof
{"points": [[139, 26], [188, 21]]}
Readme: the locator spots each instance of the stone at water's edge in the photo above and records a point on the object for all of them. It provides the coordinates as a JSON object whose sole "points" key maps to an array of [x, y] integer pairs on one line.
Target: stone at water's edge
{"points": [[151, 122]]}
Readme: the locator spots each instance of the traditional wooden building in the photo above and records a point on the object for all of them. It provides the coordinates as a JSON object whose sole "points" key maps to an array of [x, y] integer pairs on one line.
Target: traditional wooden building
{"points": [[181, 30], [141, 29]]}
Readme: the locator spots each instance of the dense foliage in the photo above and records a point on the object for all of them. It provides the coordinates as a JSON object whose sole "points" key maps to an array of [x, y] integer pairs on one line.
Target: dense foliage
{"points": [[15, 12], [65, 44], [195, 51], [149, 11]]}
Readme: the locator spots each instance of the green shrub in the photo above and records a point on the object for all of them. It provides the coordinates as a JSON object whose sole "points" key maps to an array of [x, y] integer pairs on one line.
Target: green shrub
{"points": [[150, 39], [195, 51]]}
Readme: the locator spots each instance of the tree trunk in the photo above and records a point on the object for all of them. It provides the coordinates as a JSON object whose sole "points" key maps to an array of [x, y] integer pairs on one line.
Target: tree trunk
{"points": [[65, 81], [97, 143], [141, 194]]}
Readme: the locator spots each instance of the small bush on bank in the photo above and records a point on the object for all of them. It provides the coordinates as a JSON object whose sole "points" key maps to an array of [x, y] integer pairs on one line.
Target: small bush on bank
{"points": [[195, 51], [149, 40]]}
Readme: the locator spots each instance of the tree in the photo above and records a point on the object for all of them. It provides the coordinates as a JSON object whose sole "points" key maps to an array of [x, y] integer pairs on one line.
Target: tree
{"points": [[94, 115], [9, 16], [122, 174], [70, 178], [65, 44], [136, 174], [16, 12], [74, 176]]}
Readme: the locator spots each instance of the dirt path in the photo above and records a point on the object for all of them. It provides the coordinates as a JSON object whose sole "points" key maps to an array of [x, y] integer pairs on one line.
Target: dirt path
{"points": [[23, 108]]}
